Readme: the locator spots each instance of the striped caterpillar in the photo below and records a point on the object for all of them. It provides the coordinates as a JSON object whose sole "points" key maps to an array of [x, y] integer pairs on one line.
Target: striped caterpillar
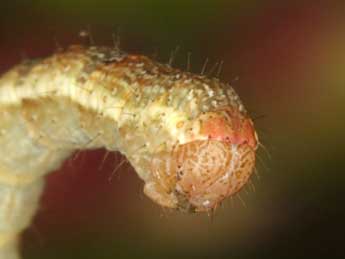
{"points": [[187, 136]]}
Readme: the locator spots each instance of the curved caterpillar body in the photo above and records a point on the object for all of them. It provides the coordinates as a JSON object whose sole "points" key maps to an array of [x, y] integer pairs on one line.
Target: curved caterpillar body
{"points": [[187, 136]]}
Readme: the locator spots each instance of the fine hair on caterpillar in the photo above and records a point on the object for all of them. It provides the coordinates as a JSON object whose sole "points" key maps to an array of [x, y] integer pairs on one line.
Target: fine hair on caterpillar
{"points": [[188, 136]]}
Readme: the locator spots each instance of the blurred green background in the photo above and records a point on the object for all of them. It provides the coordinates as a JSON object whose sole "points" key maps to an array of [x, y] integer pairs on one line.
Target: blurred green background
{"points": [[286, 59]]}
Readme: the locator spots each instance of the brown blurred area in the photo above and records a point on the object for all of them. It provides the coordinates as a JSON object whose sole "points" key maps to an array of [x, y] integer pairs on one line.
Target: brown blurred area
{"points": [[286, 59]]}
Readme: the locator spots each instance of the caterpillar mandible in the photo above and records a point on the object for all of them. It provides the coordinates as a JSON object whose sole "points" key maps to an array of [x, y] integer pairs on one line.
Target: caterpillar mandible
{"points": [[188, 136]]}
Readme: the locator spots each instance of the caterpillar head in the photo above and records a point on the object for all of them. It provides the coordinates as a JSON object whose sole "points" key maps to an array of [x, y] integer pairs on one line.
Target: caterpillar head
{"points": [[200, 174]]}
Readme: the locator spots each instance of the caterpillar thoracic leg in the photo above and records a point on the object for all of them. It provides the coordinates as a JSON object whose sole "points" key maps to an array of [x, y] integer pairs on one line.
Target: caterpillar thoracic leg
{"points": [[187, 136]]}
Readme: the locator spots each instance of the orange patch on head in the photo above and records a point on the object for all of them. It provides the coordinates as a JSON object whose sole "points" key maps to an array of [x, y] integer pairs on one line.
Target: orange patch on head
{"points": [[232, 127], [217, 128], [200, 174]]}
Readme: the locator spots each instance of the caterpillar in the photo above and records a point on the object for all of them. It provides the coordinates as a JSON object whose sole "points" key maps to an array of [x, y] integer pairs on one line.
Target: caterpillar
{"points": [[188, 137]]}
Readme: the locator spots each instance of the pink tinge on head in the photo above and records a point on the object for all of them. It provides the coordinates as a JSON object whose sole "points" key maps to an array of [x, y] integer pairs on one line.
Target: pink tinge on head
{"points": [[233, 128], [245, 135], [199, 175]]}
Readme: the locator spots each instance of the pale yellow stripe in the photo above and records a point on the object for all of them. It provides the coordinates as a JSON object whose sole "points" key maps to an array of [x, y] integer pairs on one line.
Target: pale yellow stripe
{"points": [[16, 180]]}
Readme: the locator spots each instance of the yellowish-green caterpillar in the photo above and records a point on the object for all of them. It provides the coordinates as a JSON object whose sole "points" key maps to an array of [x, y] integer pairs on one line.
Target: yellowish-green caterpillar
{"points": [[188, 136]]}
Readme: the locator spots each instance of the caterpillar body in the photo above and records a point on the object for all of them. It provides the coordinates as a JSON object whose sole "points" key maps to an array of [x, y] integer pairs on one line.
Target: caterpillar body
{"points": [[187, 136]]}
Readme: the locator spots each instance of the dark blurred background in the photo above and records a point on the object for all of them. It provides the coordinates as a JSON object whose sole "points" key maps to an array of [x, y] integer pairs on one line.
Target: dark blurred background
{"points": [[286, 59]]}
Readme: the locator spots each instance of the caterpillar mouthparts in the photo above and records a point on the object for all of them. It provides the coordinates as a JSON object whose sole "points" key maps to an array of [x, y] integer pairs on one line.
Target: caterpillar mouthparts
{"points": [[187, 136]]}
